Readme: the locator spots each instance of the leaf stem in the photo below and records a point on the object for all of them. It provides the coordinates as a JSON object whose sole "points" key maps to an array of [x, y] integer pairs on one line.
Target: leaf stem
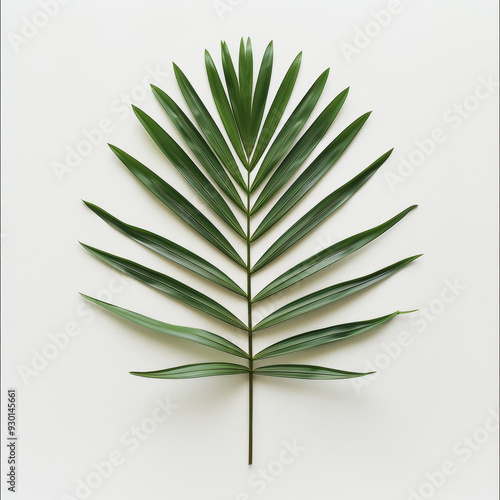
{"points": [[250, 331]]}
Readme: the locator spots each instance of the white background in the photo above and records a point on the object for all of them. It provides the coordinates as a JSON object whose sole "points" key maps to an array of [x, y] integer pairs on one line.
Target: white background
{"points": [[379, 441]]}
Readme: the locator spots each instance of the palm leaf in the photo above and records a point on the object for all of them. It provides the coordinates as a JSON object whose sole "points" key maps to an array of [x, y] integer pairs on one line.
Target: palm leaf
{"points": [[308, 178], [192, 334], [205, 159], [276, 110], [178, 204], [322, 336], [261, 92], [309, 372], [208, 126], [300, 152], [189, 170], [199, 146], [290, 130], [327, 257], [329, 295], [245, 80], [317, 214], [170, 250], [227, 115], [168, 286], [196, 370]]}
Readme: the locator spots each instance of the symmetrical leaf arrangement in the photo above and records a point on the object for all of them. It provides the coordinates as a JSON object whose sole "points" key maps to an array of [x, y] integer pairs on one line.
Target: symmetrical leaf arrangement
{"points": [[268, 161]]}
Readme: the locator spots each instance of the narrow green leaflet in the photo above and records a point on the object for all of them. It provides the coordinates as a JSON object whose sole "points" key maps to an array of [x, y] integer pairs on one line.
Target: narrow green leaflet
{"points": [[276, 110], [309, 372], [299, 153], [330, 294], [196, 370], [189, 170], [245, 68], [318, 213], [223, 107], [311, 175], [261, 92], [328, 256], [167, 285], [178, 204], [199, 147], [192, 334], [233, 89], [290, 129], [320, 337], [208, 126], [170, 250]]}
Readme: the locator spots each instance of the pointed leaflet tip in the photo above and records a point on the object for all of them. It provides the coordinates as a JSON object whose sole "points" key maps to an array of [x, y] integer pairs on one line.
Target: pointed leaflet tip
{"points": [[408, 312], [177, 70], [92, 206], [87, 297]]}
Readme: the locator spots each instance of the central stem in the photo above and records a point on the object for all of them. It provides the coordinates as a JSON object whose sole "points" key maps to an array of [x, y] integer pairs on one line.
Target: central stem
{"points": [[250, 348]]}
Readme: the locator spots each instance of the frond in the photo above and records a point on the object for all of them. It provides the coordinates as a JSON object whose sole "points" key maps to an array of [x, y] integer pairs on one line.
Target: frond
{"points": [[265, 159]]}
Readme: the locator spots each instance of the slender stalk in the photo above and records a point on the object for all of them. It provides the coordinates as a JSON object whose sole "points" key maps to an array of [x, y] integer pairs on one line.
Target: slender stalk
{"points": [[250, 327]]}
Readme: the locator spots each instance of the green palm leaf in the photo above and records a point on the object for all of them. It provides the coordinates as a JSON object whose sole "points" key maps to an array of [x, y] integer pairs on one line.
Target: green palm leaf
{"points": [[245, 80], [170, 250], [329, 295], [189, 170], [266, 157], [317, 214], [309, 372], [178, 204], [196, 370], [222, 103], [261, 92], [321, 337], [233, 89], [327, 257], [300, 152], [168, 286], [290, 129], [208, 126], [199, 147], [276, 110], [192, 334], [308, 178]]}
